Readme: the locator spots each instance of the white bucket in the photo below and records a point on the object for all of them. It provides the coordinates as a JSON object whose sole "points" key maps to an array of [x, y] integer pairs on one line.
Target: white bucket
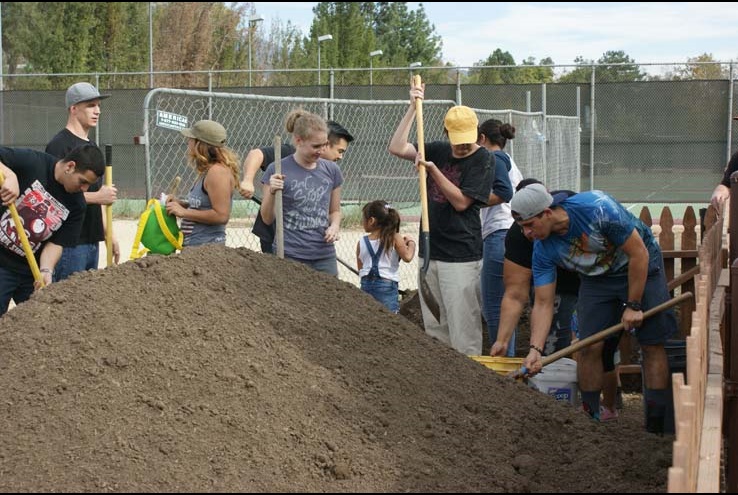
{"points": [[559, 380]]}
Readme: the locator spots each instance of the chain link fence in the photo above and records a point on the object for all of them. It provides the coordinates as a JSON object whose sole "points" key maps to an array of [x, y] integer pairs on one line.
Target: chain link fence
{"points": [[370, 172]]}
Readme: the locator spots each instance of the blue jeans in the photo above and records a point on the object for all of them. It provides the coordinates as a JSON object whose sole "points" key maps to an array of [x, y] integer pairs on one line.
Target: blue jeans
{"points": [[76, 259], [15, 286], [326, 265], [383, 290], [493, 286]]}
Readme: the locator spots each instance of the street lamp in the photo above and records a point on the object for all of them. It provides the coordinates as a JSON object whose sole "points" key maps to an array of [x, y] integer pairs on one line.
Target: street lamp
{"points": [[252, 22], [371, 68], [325, 37]]}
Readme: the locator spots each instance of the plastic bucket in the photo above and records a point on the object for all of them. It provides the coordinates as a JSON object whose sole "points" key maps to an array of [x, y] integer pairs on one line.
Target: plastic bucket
{"points": [[559, 380], [502, 365]]}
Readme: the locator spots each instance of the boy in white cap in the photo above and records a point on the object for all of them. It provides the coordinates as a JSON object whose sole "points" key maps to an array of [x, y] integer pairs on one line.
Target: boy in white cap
{"points": [[622, 274], [83, 109], [459, 181]]}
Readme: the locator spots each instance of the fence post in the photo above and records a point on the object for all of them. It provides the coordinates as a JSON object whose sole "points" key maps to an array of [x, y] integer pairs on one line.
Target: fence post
{"points": [[689, 242], [592, 130]]}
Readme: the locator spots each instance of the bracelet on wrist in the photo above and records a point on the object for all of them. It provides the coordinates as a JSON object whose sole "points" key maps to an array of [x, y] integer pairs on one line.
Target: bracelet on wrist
{"points": [[537, 349], [46, 270]]}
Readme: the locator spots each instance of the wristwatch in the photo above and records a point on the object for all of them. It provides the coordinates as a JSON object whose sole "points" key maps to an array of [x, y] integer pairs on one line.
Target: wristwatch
{"points": [[634, 305]]}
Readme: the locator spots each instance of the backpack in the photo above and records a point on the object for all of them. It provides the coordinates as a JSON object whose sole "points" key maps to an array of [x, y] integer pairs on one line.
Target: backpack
{"points": [[158, 232]]}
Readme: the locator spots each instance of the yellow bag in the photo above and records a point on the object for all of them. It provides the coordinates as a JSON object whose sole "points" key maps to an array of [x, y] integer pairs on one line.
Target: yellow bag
{"points": [[159, 233]]}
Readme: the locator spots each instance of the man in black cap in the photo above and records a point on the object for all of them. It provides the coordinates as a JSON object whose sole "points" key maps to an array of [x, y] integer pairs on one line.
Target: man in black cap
{"points": [[83, 107], [621, 272]]}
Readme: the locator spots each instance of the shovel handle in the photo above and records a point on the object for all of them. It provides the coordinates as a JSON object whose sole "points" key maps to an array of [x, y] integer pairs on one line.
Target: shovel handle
{"points": [[278, 208], [30, 258], [109, 208], [602, 335], [422, 173]]}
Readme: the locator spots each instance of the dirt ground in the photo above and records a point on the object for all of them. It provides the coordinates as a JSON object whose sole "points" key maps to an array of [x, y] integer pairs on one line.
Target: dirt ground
{"points": [[221, 369]]}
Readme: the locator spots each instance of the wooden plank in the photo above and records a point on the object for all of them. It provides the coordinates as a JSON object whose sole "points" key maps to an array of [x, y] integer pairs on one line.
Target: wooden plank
{"points": [[677, 481], [645, 216], [711, 217], [687, 266], [708, 475], [689, 235], [666, 240], [680, 253], [627, 369]]}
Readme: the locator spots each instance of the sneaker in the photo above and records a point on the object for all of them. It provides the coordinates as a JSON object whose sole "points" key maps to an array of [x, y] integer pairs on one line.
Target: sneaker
{"points": [[591, 411], [607, 414]]}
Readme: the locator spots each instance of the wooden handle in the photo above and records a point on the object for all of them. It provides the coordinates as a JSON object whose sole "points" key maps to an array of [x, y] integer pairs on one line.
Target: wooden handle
{"points": [[278, 213], [422, 173], [602, 335], [174, 186], [30, 258], [109, 208]]}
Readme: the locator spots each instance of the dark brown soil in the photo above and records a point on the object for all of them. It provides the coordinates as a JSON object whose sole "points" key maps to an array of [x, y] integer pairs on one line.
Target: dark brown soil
{"points": [[222, 369]]}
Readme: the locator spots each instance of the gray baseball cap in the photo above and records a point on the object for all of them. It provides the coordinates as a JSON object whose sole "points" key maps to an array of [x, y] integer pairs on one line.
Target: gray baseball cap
{"points": [[82, 91], [532, 200], [207, 131]]}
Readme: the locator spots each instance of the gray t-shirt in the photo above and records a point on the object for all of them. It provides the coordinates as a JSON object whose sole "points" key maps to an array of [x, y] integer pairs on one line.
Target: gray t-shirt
{"points": [[306, 201]]}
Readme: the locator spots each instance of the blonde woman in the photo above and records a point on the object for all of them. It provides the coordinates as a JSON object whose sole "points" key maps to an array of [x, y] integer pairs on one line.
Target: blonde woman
{"points": [[208, 207], [311, 194]]}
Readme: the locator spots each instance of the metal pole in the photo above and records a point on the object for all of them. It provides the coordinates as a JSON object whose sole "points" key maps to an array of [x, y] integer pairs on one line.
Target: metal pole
{"points": [[151, 46], [250, 54], [592, 130], [252, 25], [729, 147], [97, 127], [458, 86], [579, 136], [544, 143], [318, 67], [2, 87], [527, 101]]}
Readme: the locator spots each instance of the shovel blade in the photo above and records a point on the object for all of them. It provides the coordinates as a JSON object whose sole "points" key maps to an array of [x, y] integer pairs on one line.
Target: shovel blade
{"points": [[428, 298], [425, 291]]}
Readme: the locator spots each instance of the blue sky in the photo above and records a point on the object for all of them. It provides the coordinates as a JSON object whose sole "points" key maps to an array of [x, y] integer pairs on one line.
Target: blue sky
{"points": [[646, 31]]}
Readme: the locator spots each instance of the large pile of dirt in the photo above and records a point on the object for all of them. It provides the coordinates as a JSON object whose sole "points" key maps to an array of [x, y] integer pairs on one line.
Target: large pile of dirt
{"points": [[227, 370]]}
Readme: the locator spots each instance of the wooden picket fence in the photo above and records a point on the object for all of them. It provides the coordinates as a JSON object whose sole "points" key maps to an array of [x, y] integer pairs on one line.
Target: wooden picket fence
{"points": [[681, 269], [698, 397], [698, 401]]}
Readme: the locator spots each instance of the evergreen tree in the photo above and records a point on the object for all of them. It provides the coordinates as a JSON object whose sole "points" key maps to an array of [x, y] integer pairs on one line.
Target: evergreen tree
{"points": [[626, 70]]}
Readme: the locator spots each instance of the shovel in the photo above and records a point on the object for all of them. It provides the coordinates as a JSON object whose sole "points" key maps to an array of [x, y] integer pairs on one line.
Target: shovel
{"points": [[602, 335], [24, 240], [109, 208], [278, 210], [425, 290]]}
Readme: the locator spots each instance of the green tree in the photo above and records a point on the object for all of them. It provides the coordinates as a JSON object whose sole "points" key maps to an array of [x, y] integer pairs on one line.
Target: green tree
{"points": [[622, 69], [494, 75], [700, 68]]}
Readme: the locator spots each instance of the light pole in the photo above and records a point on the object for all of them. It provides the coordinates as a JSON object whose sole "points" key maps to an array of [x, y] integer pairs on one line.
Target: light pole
{"points": [[371, 67], [151, 45], [325, 37], [252, 22]]}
